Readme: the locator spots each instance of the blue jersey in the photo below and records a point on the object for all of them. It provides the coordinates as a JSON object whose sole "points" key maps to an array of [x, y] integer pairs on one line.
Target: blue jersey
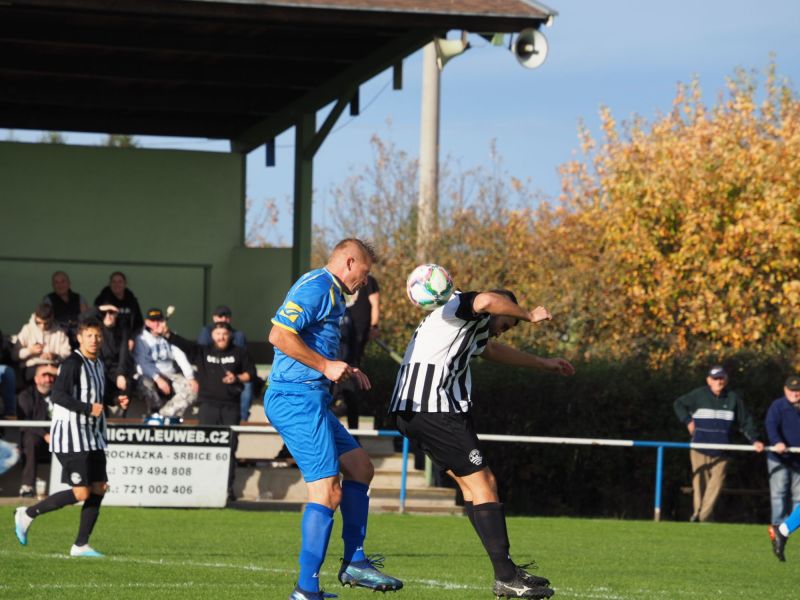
{"points": [[313, 309]]}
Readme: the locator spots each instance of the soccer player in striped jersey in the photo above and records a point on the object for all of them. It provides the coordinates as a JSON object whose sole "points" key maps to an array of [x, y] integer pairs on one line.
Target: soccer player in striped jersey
{"points": [[431, 402], [306, 337], [78, 437]]}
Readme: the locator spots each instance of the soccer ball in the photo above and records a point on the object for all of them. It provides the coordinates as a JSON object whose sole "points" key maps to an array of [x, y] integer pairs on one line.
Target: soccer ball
{"points": [[429, 286]]}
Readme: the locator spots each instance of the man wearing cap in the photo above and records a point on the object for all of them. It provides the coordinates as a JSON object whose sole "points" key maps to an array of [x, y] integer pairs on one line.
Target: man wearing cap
{"points": [[34, 404], [709, 413], [223, 314], [783, 430], [167, 391]]}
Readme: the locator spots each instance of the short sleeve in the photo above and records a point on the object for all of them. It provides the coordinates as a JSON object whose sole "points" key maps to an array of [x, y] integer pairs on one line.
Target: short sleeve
{"points": [[303, 306], [464, 310]]}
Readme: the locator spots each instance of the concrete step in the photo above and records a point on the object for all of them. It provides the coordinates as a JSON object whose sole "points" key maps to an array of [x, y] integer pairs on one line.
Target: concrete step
{"points": [[414, 479], [432, 494]]}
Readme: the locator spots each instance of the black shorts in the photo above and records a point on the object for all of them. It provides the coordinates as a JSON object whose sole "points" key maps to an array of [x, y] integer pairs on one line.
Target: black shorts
{"points": [[449, 439], [83, 468]]}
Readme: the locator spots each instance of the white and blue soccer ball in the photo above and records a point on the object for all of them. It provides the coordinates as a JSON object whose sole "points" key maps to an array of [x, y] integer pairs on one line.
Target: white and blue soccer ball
{"points": [[429, 286]]}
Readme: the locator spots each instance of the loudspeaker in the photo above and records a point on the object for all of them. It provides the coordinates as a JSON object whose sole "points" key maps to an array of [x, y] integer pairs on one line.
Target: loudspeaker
{"points": [[449, 49], [530, 48]]}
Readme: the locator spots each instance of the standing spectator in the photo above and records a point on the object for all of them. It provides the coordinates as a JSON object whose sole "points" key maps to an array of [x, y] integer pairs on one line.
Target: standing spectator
{"points": [[40, 340], [114, 351], [783, 432], [305, 335], [35, 404], [432, 402], [78, 439], [118, 294], [166, 390], [223, 370], [8, 379], [67, 305], [359, 326], [223, 314], [709, 413]]}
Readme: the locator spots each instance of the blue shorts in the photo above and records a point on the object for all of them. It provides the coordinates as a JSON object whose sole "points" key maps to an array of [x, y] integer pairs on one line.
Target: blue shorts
{"points": [[311, 432]]}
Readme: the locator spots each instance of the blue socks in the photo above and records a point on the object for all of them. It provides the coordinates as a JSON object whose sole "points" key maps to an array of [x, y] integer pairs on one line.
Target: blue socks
{"points": [[793, 522], [355, 510], [316, 531]]}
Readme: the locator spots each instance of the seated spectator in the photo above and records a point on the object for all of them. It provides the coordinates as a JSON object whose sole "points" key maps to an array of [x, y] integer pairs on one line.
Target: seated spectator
{"points": [[67, 305], [35, 405], [223, 369], [118, 294], [114, 352], [40, 341], [223, 314], [166, 390], [8, 379]]}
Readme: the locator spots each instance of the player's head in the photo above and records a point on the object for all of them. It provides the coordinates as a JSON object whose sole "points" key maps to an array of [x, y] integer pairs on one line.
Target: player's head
{"points": [[351, 261], [498, 324], [90, 336], [221, 335]]}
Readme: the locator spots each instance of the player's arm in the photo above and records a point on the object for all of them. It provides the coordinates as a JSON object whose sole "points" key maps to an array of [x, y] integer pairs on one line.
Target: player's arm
{"points": [[68, 379], [507, 355], [293, 346], [501, 305]]}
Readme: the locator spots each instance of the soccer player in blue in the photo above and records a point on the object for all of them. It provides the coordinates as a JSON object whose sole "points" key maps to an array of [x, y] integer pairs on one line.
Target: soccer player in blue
{"points": [[305, 334]]}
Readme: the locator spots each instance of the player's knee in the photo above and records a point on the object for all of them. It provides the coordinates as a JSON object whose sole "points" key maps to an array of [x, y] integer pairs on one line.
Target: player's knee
{"points": [[99, 488], [81, 493]]}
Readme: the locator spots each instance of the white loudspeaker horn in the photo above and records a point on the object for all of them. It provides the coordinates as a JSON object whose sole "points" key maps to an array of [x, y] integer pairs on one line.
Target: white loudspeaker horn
{"points": [[530, 48], [446, 50]]}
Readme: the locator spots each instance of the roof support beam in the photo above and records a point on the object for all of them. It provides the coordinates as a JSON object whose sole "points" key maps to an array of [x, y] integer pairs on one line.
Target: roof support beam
{"points": [[305, 130]]}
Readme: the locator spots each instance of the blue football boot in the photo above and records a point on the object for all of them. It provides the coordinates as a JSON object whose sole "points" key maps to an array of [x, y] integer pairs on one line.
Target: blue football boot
{"points": [[299, 594], [365, 573]]}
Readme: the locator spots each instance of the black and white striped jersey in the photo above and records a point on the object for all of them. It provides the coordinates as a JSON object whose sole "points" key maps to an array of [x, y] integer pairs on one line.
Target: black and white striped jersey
{"points": [[81, 382], [435, 375]]}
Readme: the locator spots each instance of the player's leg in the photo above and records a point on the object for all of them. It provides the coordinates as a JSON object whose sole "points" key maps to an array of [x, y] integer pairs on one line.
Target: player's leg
{"points": [[299, 414], [74, 472], [92, 499], [358, 569]]}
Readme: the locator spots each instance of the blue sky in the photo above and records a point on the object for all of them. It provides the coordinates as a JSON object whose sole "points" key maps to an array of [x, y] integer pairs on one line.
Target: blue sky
{"points": [[625, 54]]}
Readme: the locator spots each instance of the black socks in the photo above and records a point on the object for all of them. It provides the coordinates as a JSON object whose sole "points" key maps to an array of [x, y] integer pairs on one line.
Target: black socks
{"points": [[54, 502], [489, 521], [89, 514]]}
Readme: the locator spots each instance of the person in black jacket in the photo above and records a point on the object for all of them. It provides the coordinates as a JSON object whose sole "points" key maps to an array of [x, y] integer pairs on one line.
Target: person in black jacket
{"points": [[222, 371], [115, 351], [118, 294], [34, 404]]}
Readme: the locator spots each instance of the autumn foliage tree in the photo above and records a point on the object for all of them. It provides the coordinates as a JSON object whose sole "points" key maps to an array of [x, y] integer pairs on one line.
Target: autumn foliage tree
{"points": [[673, 239]]}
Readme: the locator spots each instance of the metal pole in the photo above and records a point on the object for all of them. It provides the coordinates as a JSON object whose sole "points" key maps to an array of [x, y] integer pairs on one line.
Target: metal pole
{"points": [[404, 476], [659, 477], [428, 203]]}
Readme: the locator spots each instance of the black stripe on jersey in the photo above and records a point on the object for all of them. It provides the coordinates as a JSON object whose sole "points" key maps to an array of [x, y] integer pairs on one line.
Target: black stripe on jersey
{"points": [[459, 363]]}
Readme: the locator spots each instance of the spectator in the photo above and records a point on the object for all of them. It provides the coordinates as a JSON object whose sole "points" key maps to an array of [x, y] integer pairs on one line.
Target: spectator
{"points": [[166, 391], [8, 379], [709, 413], [783, 430], [35, 405], [359, 326], [118, 294], [223, 370], [223, 314], [67, 305], [40, 341], [114, 351]]}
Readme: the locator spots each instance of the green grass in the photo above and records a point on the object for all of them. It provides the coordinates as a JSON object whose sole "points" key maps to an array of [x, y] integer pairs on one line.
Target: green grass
{"points": [[221, 554]]}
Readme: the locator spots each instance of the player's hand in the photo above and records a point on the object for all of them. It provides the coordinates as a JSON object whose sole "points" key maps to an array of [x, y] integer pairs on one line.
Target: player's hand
{"points": [[690, 427], [336, 370], [759, 446], [123, 402], [97, 409], [229, 378], [164, 386], [194, 386], [561, 366], [361, 379], [780, 448], [540, 313]]}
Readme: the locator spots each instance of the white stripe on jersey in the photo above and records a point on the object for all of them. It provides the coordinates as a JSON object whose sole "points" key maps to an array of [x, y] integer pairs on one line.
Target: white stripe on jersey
{"points": [[76, 432], [435, 375], [710, 413]]}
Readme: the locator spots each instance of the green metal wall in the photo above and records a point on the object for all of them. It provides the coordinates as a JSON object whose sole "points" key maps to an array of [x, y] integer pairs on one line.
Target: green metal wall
{"points": [[172, 221]]}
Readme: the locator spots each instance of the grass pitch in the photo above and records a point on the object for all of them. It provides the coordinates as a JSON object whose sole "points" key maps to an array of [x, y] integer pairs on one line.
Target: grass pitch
{"points": [[221, 554]]}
